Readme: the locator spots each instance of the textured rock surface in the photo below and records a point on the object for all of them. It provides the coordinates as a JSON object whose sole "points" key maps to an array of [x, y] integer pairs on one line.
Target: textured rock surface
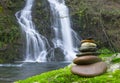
{"points": [[83, 60], [89, 70]]}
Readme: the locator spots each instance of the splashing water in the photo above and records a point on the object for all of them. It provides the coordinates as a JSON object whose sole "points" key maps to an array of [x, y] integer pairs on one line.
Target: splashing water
{"points": [[35, 43], [64, 35]]}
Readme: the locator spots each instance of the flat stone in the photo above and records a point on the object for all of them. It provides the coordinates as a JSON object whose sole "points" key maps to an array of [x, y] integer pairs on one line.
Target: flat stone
{"points": [[87, 40], [89, 70], [87, 44], [87, 49], [87, 54], [84, 60]]}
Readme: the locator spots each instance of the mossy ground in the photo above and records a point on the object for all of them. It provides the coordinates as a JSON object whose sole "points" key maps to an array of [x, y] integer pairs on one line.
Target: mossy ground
{"points": [[64, 75]]}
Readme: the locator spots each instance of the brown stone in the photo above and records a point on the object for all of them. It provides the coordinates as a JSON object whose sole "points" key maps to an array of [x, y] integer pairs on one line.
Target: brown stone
{"points": [[89, 70], [87, 53], [83, 60], [87, 40]]}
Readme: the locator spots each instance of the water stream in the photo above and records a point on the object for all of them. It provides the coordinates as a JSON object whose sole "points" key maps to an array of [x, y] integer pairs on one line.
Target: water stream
{"points": [[36, 44], [64, 37], [19, 71]]}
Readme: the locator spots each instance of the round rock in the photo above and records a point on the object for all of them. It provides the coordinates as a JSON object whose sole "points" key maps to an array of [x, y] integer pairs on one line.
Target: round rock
{"points": [[89, 70], [84, 60], [87, 54]]}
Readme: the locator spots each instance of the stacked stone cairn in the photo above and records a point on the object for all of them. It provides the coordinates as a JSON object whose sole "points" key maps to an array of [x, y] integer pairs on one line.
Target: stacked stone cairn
{"points": [[87, 63]]}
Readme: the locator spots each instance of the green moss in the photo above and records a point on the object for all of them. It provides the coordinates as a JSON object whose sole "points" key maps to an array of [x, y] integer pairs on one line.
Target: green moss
{"points": [[1, 9], [65, 76], [1, 61], [116, 60], [105, 52]]}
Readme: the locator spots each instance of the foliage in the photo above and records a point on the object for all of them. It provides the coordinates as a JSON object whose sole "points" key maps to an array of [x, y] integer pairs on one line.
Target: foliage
{"points": [[116, 60], [9, 35], [105, 52], [65, 76], [1, 9], [90, 17], [9, 30]]}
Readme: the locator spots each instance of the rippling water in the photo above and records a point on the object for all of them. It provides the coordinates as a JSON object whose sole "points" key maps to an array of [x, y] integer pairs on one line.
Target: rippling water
{"points": [[18, 71]]}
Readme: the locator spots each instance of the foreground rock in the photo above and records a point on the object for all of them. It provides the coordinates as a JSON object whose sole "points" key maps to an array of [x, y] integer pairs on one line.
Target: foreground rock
{"points": [[88, 63], [89, 70]]}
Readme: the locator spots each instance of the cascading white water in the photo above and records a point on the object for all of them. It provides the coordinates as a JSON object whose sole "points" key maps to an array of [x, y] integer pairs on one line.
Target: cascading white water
{"points": [[35, 43], [62, 29]]}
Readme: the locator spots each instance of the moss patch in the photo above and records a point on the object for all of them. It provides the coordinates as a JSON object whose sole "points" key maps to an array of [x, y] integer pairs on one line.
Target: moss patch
{"points": [[65, 76]]}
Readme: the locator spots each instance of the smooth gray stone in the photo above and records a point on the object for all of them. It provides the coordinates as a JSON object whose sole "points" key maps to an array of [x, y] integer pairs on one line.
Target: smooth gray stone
{"points": [[84, 60], [87, 49], [87, 54], [89, 70]]}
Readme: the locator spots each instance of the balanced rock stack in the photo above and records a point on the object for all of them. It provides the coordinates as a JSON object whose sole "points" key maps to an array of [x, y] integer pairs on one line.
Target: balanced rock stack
{"points": [[88, 63]]}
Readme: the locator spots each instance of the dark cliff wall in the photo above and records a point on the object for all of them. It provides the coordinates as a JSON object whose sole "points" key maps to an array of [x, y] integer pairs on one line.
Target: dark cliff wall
{"points": [[41, 17]]}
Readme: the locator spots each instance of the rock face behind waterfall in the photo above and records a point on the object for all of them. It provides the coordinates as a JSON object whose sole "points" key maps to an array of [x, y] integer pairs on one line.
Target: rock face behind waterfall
{"points": [[41, 17]]}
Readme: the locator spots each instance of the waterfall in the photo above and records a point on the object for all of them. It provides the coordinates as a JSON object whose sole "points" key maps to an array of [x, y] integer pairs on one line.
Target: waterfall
{"points": [[36, 44], [61, 27]]}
